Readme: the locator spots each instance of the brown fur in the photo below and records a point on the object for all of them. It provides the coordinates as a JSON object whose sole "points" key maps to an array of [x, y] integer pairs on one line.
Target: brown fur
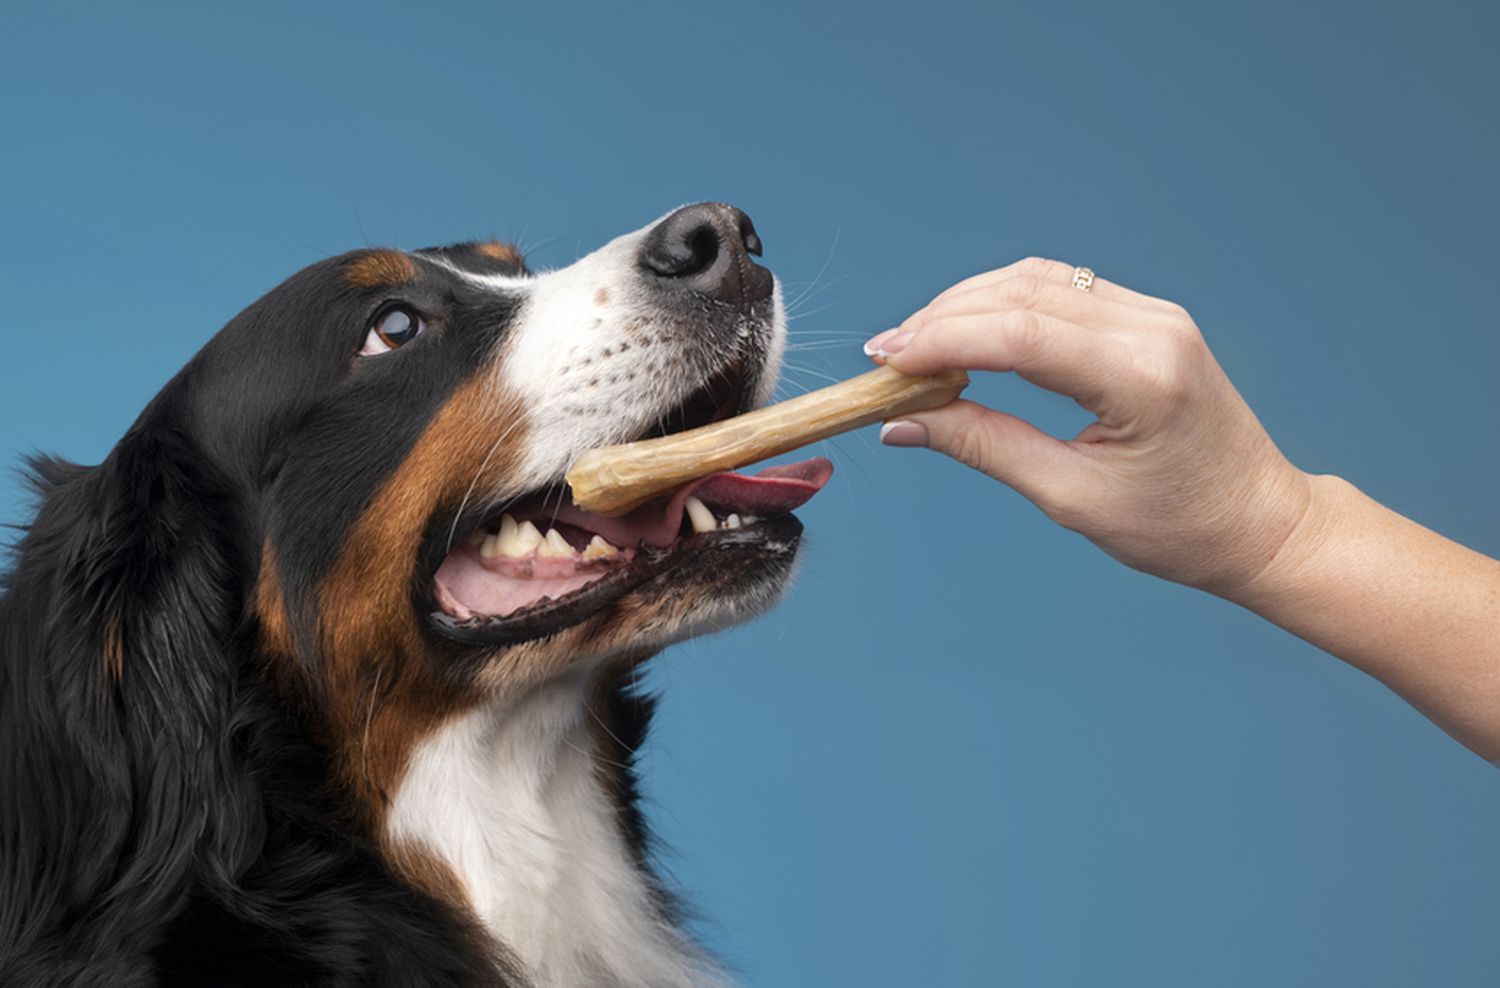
{"points": [[383, 693], [499, 251], [381, 268]]}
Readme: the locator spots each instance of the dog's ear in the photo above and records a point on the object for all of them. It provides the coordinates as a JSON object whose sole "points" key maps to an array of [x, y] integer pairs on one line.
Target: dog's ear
{"points": [[159, 811], [118, 698]]}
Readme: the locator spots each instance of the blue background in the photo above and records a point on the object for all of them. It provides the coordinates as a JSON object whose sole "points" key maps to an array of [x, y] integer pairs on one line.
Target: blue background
{"points": [[969, 749]]}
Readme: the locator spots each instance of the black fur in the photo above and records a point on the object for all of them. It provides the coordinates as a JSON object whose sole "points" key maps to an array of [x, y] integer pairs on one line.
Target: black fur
{"points": [[168, 825]]}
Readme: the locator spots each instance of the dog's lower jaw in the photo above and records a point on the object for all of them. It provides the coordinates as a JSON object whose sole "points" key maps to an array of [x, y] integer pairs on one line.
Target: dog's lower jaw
{"points": [[510, 797]]}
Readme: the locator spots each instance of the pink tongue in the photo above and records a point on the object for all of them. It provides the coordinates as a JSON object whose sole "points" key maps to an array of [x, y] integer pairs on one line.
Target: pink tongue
{"points": [[773, 490]]}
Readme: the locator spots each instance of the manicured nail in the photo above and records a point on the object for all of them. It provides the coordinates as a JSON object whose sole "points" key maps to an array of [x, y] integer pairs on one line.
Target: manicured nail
{"points": [[895, 344], [903, 433], [872, 345]]}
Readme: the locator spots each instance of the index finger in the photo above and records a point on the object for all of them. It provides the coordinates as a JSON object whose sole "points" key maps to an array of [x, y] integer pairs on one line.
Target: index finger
{"points": [[1047, 351]]}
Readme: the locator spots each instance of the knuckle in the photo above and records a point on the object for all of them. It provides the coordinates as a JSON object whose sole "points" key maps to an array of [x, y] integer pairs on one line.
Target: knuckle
{"points": [[1177, 312], [1020, 292], [1158, 370], [1182, 325], [1034, 266], [969, 447], [1023, 328]]}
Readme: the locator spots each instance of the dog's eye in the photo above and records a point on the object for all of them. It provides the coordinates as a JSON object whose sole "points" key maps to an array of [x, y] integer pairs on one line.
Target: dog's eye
{"points": [[393, 328]]}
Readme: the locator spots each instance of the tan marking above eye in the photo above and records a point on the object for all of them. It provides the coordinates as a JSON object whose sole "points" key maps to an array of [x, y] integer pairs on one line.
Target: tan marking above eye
{"points": [[381, 268], [499, 251]]}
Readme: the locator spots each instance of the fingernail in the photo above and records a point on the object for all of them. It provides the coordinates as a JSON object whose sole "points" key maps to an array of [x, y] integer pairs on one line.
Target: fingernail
{"points": [[903, 433], [895, 344], [872, 345]]}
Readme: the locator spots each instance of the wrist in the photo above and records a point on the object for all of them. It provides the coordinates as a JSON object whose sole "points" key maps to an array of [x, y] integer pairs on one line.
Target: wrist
{"points": [[1306, 539]]}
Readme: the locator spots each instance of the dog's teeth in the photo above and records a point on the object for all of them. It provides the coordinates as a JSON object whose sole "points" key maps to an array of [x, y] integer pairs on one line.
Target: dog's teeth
{"points": [[599, 549], [489, 548], [703, 519], [733, 521], [527, 537], [749, 519], [478, 537], [554, 545], [508, 540]]}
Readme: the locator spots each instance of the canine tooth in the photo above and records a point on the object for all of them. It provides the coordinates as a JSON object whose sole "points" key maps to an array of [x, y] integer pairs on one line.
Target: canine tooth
{"points": [[703, 519], [599, 549], [527, 537], [554, 545], [490, 547], [733, 521]]}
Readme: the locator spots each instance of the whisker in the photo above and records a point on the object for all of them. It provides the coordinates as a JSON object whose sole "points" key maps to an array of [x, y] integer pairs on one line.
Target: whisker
{"points": [[825, 334], [453, 529], [819, 345], [605, 727], [596, 755], [364, 744], [826, 261], [807, 297], [813, 312], [808, 370]]}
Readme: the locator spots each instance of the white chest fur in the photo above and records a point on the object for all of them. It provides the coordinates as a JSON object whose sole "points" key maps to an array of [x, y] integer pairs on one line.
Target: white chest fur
{"points": [[508, 798]]}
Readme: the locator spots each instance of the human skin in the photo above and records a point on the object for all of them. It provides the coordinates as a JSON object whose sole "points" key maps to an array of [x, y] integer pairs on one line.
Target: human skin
{"points": [[1178, 478]]}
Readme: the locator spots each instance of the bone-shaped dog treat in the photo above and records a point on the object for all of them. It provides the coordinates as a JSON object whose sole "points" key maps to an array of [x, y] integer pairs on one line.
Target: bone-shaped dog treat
{"points": [[614, 479]]}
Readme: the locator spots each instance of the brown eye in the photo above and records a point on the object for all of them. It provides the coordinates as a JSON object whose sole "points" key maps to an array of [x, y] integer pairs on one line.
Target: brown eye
{"points": [[393, 327]]}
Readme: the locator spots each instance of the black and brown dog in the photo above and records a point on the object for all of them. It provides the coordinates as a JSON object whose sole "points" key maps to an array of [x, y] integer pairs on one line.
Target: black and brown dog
{"points": [[321, 678]]}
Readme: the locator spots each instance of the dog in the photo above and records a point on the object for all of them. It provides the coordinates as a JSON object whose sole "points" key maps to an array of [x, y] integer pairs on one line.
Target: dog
{"points": [[321, 678]]}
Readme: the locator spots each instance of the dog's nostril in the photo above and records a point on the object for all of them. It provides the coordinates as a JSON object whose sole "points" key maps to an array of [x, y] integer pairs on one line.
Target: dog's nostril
{"points": [[749, 237], [702, 251], [685, 243], [705, 248]]}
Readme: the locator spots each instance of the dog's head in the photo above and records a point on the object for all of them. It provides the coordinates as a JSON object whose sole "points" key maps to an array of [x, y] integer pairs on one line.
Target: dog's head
{"points": [[398, 425], [344, 522]]}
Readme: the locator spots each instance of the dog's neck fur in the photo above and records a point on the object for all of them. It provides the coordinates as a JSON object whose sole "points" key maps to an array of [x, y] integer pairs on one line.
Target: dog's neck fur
{"points": [[509, 797]]}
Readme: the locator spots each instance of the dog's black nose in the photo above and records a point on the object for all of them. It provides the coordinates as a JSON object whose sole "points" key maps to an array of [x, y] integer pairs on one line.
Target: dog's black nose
{"points": [[706, 249]]}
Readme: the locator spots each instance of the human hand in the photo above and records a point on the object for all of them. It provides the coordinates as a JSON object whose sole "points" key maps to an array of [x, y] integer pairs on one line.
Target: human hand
{"points": [[1176, 477]]}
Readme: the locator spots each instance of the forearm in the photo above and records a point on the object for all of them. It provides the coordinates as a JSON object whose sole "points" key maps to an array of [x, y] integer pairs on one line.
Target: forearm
{"points": [[1415, 610]]}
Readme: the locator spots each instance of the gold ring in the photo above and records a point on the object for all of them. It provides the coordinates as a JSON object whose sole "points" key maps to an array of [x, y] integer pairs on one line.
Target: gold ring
{"points": [[1083, 279]]}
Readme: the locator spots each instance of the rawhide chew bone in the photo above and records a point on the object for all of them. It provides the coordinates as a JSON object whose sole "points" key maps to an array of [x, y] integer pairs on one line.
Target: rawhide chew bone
{"points": [[612, 480]]}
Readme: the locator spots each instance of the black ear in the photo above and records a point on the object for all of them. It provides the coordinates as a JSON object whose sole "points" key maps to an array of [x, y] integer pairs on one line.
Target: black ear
{"points": [[162, 816], [118, 696]]}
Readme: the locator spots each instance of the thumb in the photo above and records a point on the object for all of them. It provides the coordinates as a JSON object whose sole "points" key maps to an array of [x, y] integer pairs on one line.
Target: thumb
{"points": [[1011, 450]]}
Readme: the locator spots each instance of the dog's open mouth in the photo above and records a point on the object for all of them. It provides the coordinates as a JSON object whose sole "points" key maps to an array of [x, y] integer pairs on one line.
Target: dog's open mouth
{"points": [[544, 563]]}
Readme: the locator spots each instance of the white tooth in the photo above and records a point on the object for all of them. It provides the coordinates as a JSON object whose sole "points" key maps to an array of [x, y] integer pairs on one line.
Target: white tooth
{"points": [[509, 538], [749, 520], [490, 547], [703, 519], [527, 537], [554, 545], [733, 521], [599, 549]]}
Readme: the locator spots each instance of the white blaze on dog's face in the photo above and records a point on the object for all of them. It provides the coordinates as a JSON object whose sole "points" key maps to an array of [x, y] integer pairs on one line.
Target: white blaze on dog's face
{"points": [[605, 349], [660, 330]]}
